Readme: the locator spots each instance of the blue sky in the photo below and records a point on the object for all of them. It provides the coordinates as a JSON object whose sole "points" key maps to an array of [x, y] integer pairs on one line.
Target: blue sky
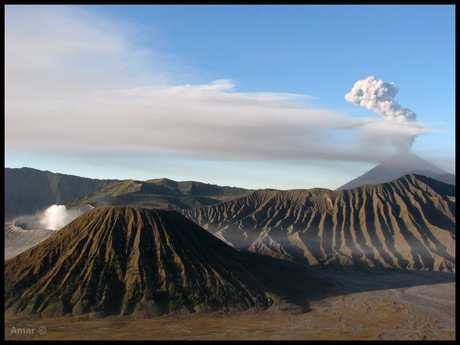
{"points": [[250, 96]]}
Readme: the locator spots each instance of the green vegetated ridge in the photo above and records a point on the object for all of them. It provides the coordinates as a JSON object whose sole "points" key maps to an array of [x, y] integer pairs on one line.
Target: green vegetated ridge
{"points": [[30, 190], [405, 224], [160, 193], [142, 262]]}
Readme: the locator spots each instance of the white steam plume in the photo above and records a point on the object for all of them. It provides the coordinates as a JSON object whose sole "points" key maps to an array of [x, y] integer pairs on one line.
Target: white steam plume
{"points": [[56, 217], [378, 95]]}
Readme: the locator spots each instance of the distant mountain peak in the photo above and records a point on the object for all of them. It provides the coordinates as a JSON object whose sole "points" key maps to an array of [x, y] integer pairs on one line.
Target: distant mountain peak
{"points": [[395, 167], [163, 181]]}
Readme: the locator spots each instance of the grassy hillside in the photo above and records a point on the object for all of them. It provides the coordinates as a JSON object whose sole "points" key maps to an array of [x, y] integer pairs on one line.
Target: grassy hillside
{"points": [[162, 193]]}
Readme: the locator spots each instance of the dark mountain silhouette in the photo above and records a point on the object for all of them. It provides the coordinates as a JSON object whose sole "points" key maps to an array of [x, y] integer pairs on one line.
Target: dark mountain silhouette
{"points": [[446, 178], [143, 262], [28, 190], [397, 166], [405, 224]]}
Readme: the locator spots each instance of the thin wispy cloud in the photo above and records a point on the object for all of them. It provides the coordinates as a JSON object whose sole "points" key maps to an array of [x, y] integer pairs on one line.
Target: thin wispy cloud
{"points": [[78, 84]]}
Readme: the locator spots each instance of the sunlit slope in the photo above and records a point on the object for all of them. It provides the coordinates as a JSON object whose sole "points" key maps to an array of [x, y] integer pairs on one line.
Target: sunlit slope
{"points": [[141, 262], [408, 223], [162, 193]]}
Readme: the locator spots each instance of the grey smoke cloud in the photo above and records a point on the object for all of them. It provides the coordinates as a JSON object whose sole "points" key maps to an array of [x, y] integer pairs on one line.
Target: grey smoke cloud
{"points": [[378, 96]]}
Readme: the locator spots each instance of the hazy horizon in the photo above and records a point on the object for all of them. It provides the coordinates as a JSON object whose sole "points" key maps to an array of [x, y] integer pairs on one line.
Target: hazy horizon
{"points": [[256, 96]]}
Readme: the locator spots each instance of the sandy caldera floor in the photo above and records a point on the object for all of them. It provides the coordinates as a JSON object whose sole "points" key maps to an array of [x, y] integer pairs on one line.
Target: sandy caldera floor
{"points": [[392, 306]]}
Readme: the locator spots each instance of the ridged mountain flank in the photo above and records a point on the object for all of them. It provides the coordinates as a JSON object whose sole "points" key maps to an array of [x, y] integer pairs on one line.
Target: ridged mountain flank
{"points": [[141, 262], [405, 224]]}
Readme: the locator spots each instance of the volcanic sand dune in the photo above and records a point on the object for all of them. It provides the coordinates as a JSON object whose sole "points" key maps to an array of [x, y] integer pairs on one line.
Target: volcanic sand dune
{"points": [[392, 306], [408, 223]]}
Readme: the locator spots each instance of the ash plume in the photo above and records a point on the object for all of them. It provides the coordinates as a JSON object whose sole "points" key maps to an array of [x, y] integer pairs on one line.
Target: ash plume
{"points": [[378, 96]]}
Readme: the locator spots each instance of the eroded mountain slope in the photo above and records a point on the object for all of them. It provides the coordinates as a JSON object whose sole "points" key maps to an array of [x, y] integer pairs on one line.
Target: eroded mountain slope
{"points": [[142, 262], [408, 223]]}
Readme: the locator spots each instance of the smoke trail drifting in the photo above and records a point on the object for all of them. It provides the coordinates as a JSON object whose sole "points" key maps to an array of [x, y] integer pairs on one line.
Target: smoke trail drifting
{"points": [[378, 95]]}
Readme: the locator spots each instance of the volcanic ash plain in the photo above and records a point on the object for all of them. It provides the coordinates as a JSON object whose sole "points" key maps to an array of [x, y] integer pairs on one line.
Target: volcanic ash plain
{"points": [[390, 306]]}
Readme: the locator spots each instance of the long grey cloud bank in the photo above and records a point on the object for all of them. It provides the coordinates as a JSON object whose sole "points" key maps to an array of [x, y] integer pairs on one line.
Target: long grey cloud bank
{"points": [[79, 92], [195, 121]]}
